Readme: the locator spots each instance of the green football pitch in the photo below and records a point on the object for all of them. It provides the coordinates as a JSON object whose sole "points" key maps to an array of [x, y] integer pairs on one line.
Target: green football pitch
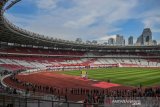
{"points": [[124, 76]]}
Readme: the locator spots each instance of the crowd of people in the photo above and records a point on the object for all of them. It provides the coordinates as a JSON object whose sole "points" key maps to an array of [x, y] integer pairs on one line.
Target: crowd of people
{"points": [[90, 95], [3, 89], [4, 72]]}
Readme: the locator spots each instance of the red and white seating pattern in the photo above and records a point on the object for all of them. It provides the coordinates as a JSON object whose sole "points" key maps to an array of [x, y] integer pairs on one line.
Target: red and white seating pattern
{"points": [[41, 59]]}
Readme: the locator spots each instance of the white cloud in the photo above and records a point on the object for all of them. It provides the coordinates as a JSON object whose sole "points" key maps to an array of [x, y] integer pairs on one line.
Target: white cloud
{"points": [[151, 19], [105, 38], [88, 19], [46, 4], [108, 10], [19, 21], [79, 21], [152, 22], [84, 21]]}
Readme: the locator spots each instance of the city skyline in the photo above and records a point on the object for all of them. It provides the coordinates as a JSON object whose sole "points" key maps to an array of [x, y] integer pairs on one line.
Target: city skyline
{"points": [[144, 39], [87, 19]]}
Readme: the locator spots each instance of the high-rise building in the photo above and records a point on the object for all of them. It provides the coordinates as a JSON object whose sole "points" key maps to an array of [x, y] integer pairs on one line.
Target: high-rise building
{"points": [[120, 40], [111, 41], [130, 40], [154, 42], [124, 42], [145, 38]]}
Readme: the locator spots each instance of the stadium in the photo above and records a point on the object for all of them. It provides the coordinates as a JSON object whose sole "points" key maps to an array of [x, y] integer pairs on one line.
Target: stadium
{"points": [[37, 71]]}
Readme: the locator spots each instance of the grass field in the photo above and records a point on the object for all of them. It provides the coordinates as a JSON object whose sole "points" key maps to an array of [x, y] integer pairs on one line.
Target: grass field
{"points": [[124, 76]]}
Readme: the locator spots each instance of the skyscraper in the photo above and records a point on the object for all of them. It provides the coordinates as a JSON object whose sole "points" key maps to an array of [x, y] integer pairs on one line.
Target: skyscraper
{"points": [[154, 42], [111, 41], [120, 40], [145, 38], [130, 40]]}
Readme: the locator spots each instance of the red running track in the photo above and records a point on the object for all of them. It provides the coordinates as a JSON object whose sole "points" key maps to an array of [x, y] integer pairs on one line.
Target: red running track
{"points": [[61, 81]]}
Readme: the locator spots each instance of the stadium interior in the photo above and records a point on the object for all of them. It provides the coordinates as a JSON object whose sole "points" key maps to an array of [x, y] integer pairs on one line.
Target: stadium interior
{"points": [[22, 51], [32, 58]]}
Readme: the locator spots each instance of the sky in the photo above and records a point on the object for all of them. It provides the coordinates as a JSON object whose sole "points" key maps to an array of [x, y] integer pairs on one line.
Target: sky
{"points": [[87, 19]]}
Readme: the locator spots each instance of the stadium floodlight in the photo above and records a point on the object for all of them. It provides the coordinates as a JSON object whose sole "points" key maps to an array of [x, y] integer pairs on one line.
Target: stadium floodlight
{"points": [[11, 4]]}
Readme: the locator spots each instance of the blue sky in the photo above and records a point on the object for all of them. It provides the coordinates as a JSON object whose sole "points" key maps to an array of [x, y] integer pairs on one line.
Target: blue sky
{"points": [[87, 19]]}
